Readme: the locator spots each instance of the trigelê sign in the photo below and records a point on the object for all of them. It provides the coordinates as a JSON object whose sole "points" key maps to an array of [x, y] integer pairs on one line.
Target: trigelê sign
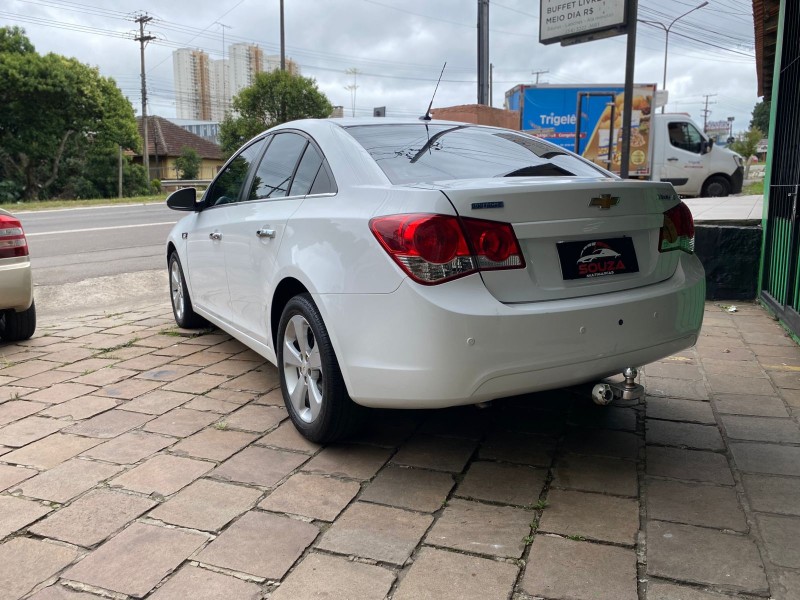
{"points": [[563, 20]]}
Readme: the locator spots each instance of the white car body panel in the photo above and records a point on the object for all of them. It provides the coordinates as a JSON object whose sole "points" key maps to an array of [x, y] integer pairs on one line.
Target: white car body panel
{"points": [[401, 344]]}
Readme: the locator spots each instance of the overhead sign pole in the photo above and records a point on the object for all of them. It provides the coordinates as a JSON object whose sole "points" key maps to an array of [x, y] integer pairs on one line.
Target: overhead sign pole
{"points": [[627, 105]]}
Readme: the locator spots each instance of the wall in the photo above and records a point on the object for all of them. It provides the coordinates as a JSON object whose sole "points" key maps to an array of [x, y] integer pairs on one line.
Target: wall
{"points": [[479, 114]]}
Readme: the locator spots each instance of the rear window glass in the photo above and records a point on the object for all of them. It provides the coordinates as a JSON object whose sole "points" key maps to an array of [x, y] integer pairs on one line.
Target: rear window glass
{"points": [[413, 153]]}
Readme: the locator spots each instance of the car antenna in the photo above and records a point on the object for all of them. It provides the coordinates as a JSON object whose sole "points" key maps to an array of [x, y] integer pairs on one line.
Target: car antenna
{"points": [[427, 115]]}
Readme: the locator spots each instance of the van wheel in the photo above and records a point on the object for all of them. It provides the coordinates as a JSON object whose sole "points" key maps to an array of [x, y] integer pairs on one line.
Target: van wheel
{"points": [[716, 186], [311, 381], [18, 326]]}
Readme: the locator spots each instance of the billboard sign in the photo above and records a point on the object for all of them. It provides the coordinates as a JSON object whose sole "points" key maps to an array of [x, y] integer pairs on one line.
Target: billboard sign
{"points": [[572, 21]]}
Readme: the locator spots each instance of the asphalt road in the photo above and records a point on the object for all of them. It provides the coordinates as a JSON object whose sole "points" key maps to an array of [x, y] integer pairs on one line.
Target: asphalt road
{"points": [[74, 245]]}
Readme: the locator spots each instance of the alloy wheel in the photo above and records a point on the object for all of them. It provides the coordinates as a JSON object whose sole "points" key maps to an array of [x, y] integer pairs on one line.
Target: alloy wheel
{"points": [[302, 368], [176, 289]]}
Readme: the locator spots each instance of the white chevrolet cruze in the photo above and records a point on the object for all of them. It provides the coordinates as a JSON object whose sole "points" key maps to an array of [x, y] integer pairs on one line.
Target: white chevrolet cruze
{"points": [[424, 264]]}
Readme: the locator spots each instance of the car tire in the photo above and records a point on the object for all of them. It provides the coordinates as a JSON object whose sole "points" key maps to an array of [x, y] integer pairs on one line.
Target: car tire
{"points": [[179, 295], [18, 326], [311, 381], [716, 186]]}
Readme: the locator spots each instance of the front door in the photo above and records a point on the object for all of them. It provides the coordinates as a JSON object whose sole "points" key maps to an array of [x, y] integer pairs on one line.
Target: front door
{"points": [[684, 164]]}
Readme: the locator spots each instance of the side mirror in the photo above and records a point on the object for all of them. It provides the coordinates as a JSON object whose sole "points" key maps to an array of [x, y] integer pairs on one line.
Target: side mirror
{"points": [[183, 199]]}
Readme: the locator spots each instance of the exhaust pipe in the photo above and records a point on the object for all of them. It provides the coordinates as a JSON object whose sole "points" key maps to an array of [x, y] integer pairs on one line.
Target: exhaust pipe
{"points": [[602, 394]]}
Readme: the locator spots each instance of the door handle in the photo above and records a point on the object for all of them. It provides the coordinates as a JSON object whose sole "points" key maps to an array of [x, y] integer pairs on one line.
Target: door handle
{"points": [[672, 159], [266, 233], [215, 235]]}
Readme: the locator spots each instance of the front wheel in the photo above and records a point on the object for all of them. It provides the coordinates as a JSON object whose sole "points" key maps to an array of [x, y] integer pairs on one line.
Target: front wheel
{"points": [[311, 381], [179, 294], [716, 186], [18, 326]]}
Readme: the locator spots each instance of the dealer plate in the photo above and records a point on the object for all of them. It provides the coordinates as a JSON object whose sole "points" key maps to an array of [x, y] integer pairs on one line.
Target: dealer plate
{"points": [[588, 259]]}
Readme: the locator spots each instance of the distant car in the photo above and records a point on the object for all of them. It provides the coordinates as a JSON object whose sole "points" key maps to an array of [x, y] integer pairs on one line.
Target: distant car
{"points": [[17, 309], [412, 264]]}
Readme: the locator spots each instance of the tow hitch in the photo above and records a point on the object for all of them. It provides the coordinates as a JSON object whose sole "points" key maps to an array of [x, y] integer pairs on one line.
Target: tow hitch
{"points": [[604, 393]]}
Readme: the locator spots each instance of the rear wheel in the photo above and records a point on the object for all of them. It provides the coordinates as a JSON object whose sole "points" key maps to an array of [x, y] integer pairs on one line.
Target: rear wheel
{"points": [[716, 186], [179, 294], [18, 326], [311, 381]]}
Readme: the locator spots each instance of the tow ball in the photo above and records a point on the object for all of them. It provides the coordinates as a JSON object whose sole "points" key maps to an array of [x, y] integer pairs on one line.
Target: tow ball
{"points": [[604, 393]]}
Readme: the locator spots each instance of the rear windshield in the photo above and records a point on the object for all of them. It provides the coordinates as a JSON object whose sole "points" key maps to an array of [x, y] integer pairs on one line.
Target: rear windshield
{"points": [[415, 153]]}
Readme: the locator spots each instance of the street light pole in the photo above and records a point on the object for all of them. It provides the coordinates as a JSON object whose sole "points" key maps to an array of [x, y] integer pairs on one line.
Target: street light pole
{"points": [[667, 29]]}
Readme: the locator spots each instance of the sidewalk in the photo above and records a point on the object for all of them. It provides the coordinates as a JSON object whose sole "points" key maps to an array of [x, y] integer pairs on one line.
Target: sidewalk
{"points": [[136, 460]]}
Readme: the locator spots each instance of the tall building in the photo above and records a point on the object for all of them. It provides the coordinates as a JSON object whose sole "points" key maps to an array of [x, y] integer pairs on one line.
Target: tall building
{"points": [[192, 85], [204, 88]]}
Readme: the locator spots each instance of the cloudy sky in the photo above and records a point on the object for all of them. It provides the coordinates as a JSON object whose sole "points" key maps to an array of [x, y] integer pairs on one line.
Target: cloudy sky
{"points": [[398, 48]]}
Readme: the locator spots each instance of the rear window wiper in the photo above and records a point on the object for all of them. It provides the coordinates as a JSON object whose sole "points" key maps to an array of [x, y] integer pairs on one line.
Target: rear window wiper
{"points": [[432, 140]]}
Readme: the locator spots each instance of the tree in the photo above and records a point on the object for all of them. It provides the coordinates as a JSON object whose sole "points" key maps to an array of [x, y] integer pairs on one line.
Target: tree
{"points": [[274, 98], [56, 110], [760, 118], [188, 163], [746, 145]]}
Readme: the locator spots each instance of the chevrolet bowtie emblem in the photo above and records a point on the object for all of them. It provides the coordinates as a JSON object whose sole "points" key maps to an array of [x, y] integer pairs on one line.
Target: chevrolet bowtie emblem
{"points": [[604, 201]]}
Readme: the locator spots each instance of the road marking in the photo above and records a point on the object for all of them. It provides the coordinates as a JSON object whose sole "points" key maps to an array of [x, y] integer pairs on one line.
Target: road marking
{"points": [[99, 229]]}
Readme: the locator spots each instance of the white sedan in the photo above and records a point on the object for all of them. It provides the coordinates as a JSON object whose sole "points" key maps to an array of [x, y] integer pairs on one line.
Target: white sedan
{"points": [[424, 264], [17, 308]]}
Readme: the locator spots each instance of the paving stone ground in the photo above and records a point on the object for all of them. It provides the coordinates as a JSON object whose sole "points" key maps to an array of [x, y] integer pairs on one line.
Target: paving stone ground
{"points": [[139, 460]]}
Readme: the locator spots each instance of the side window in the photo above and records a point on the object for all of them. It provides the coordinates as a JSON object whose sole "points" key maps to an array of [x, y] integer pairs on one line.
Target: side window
{"points": [[685, 136], [274, 174], [228, 184], [324, 183], [306, 172]]}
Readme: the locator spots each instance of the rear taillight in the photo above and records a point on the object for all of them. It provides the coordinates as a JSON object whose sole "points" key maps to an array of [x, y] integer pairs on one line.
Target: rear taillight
{"points": [[12, 238], [677, 232], [437, 248]]}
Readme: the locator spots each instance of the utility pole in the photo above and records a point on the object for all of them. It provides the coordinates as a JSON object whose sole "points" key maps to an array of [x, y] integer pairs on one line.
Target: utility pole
{"points": [[537, 73], [491, 83], [627, 104], [143, 39], [483, 52], [283, 42], [224, 70], [352, 87], [706, 111]]}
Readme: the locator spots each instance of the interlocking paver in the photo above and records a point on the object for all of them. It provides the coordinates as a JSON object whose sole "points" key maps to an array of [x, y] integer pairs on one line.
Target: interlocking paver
{"points": [[16, 513], [135, 560], [18, 409], [675, 409], [757, 406], [767, 458], [440, 574], [311, 496], [51, 451], [27, 430], [158, 402], [206, 505], [603, 417], [80, 408], [676, 388], [590, 515], [105, 376], [706, 505], [202, 584], [376, 532], [256, 418], [232, 368], [214, 444], [695, 465], [128, 389], [10, 476], [762, 429], [322, 576], [482, 529], [109, 424], [354, 461], [519, 448], [168, 372], [561, 568], [27, 563], [259, 466], [61, 392], [405, 487], [61, 592], [435, 452], [260, 380], [506, 484], [704, 556], [684, 435], [657, 590], [93, 517], [596, 474], [780, 535], [773, 494], [260, 544], [599, 442], [196, 383], [162, 474], [180, 422], [287, 436], [129, 448], [67, 480]]}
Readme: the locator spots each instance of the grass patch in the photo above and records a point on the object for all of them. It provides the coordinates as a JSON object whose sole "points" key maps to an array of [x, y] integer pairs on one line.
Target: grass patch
{"points": [[119, 347], [753, 189], [36, 205]]}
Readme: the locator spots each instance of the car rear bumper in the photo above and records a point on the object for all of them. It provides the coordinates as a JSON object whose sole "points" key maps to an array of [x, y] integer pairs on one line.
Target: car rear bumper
{"points": [[438, 346], [16, 284]]}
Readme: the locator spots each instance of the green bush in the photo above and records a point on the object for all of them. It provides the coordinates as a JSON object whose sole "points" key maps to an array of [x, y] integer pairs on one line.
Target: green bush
{"points": [[155, 186]]}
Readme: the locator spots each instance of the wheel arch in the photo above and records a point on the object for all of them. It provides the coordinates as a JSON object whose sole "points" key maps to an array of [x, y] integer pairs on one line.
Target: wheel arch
{"points": [[287, 289]]}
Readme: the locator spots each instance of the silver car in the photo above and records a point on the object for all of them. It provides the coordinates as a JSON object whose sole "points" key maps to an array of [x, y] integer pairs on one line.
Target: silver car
{"points": [[17, 309]]}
